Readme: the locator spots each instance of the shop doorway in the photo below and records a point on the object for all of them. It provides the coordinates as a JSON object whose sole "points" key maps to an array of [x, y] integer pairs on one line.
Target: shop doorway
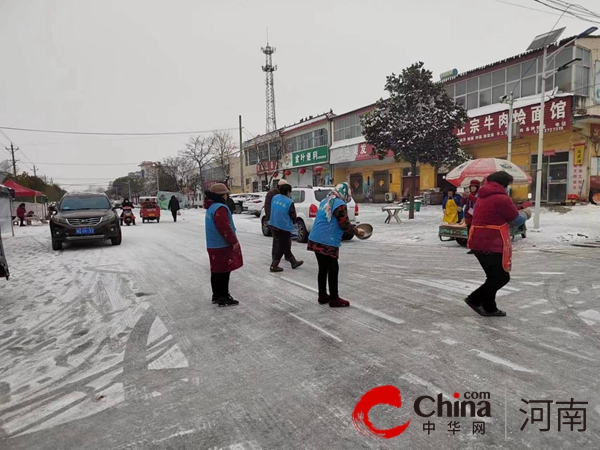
{"points": [[555, 177], [381, 185], [356, 186]]}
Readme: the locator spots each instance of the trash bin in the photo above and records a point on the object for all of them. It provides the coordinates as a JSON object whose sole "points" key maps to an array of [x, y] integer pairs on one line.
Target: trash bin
{"points": [[417, 205]]}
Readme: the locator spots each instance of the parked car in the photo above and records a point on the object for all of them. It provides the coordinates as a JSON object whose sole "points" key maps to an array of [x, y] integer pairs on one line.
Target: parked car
{"points": [[238, 199], [255, 203], [84, 217], [307, 200]]}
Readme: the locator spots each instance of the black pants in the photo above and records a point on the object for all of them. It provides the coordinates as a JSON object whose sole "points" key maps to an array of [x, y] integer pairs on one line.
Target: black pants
{"points": [[496, 279], [174, 216], [328, 270], [282, 244], [22, 222], [220, 284]]}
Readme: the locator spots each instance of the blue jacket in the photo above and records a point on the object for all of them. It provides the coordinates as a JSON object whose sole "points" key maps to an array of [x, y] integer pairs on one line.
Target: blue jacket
{"points": [[280, 213], [324, 232], [213, 237]]}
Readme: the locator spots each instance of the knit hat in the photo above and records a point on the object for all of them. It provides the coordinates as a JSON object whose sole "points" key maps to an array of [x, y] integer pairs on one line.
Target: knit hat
{"points": [[282, 182], [475, 183], [219, 188]]}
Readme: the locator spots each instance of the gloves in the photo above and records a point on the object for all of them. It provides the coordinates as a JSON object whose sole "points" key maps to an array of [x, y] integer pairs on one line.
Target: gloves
{"points": [[527, 213]]}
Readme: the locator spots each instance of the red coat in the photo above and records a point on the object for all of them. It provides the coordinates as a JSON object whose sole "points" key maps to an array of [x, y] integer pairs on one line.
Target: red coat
{"points": [[21, 212], [224, 259], [493, 207]]}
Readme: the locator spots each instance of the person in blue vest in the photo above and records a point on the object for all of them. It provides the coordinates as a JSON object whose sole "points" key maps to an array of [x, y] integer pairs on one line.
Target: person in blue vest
{"points": [[224, 251], [325, 239], [281, 221]]}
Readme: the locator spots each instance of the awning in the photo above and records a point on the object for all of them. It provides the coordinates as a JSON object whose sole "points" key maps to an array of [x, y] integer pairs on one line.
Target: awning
{"points": [[21, 191]]}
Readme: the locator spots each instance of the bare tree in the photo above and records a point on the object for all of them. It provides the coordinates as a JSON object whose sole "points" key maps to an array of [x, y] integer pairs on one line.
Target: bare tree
{"points": [[182, 170], [199, 150], [223, 148]]}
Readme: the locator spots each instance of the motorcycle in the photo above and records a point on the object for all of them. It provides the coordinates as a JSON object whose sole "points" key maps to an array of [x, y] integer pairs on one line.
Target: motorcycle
{"points": [[127, 216]]}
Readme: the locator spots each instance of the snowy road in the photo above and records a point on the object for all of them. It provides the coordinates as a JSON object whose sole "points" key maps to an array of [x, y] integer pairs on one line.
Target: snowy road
{"points": [[107, 347]]}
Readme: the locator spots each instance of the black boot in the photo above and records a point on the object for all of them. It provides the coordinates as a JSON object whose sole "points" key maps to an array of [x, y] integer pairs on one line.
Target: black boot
{"points": [[275, 266], [215, 298], [295, 263], [227, 301]]}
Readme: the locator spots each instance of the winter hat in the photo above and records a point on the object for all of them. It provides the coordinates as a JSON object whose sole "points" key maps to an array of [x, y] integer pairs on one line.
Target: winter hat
{"points": [[282, 182], [476, 183], [219, 188]]}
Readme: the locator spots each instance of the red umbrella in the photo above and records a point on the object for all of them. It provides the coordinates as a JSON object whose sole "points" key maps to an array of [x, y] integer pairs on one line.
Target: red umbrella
{"points": [[479, 169]]}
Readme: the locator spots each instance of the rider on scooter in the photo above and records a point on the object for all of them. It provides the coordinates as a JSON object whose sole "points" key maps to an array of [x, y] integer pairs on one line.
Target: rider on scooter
{"points": [[126, 204]]}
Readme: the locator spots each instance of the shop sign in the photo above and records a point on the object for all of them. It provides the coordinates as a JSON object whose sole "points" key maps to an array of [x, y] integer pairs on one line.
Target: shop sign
{"points": [[549, 152], [365, 152], [317, 155], [448, 74], [266, 167], [578, 152], [493, 127], [577, 173]]}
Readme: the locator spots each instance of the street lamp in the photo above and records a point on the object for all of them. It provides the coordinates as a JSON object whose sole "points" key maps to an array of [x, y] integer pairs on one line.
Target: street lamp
{"points": [[540, 155], [508, 99]]}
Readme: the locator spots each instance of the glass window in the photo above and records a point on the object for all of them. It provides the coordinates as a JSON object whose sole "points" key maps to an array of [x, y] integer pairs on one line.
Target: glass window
{"points": [[515, 88], [485, 97], [297, 196], [587, 58], [565, 55], [461, 88], [462, 101], [582, 80], [497, 92], [84, 202], [528, 86], [263, 152], [450, 90], [320, 194], [485, 81], [557, 171], [563, 80], [472, 84], [513, 73], [560, 157], [498, 77], [346, 128], [472, 100], [528, 68]]}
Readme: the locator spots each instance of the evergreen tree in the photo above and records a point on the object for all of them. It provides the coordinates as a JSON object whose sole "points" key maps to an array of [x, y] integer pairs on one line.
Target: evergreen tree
{"points": [[417, 123]]}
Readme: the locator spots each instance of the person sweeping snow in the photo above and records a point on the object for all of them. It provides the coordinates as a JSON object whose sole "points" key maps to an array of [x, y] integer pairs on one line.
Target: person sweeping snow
{"points": [[490, 241], [325, 239]]}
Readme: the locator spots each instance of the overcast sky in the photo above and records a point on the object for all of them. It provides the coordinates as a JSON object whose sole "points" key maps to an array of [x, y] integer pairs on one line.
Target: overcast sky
{"points": [[183, 65]]}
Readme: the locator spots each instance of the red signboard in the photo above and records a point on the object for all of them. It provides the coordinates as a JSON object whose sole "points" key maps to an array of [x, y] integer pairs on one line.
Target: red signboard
{"points": [[365, 152], [549, 152], [266, 167], [493, 127]]}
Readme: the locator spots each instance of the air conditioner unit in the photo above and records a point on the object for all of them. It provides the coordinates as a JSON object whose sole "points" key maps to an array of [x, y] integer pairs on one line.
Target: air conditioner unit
{"points": [[390, 197]]}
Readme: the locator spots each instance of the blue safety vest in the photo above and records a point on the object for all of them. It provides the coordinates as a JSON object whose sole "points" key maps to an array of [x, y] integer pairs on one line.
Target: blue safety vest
{"points": [[280, 213], [213, 237], [325, 232]]}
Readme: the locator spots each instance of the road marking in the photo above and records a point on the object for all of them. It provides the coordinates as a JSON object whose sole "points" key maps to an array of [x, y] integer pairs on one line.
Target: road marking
{"points": [[550, 273], [504, 362], [453, 286], [533, 283], [379, 314], [550, 311], [316, 327], [567, 352]]}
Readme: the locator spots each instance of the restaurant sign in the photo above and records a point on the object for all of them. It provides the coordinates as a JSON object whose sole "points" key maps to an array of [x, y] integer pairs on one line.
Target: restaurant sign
{"points": [[355, 152], [317, 155], [266, 167], [493, 127]]}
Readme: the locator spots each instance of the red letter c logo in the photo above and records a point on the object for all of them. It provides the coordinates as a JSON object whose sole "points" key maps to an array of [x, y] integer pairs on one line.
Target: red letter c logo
{"points": [[382, 395]]}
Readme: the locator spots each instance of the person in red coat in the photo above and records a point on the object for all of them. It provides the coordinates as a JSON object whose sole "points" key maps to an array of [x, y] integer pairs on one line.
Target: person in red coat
{"points": [[489, 238], [21, 214], [468, 202], [224, 251]]}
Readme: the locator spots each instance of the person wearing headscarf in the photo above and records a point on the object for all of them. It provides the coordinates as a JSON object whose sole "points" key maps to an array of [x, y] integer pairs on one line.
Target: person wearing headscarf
{"points": [[489, 238], [174, 207], [224, 251], [325, 239], [468, 202]]}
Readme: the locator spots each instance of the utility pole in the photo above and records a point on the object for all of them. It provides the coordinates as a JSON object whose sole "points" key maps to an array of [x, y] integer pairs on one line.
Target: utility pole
{"points": [[12, 151], [243, 182], [34, 171]]}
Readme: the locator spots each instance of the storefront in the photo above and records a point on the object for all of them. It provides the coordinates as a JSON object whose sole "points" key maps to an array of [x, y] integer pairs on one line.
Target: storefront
{"points": [[307, 167]]}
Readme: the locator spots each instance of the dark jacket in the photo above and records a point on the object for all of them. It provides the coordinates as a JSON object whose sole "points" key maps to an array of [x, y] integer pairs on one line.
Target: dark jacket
{"points": [[272, 193], [126, 203], [21, 212], [224, 259], [174, 204], [231, 204], [493, 207]]}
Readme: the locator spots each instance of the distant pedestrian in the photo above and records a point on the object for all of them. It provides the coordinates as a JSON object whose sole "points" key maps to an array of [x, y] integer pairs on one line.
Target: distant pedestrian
{"points": [[283, 218], [468, 202], [451, 207], [490, 241], [268, 200], [325, 239], [21, 214], [174, 207], [224, 251]]}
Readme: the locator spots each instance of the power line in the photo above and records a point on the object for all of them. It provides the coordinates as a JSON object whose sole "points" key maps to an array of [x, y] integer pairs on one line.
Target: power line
{"points": [[527, 7], [86, 164], [94, 133]]}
